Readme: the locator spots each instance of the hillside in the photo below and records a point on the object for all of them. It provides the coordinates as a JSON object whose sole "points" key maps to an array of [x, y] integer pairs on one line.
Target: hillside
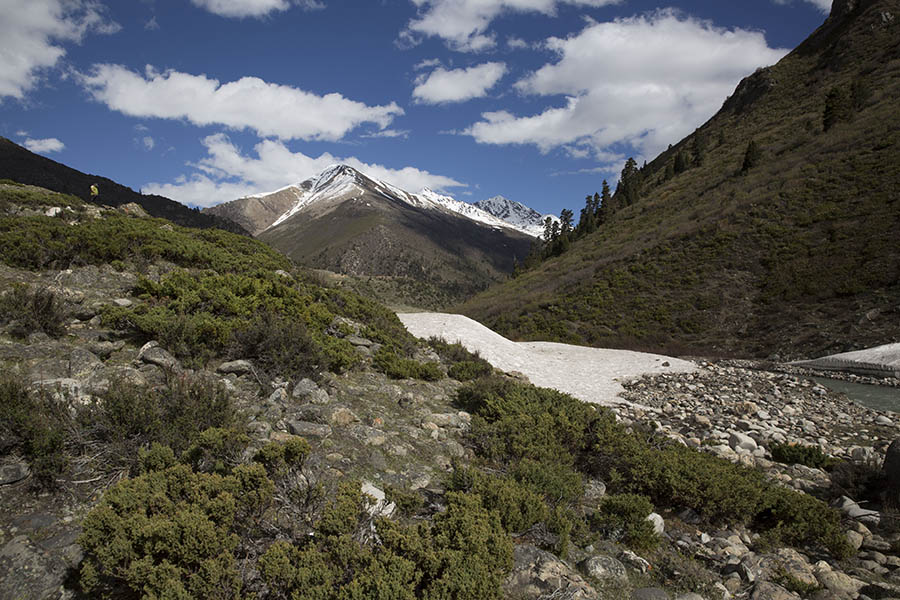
{"points": [[795, 255], [184, 413], [23, 166]]}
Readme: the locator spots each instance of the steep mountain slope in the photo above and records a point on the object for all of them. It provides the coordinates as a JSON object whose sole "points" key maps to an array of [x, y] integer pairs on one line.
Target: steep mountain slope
{"points": [[23, 166], [794, 251], [345, 222]]}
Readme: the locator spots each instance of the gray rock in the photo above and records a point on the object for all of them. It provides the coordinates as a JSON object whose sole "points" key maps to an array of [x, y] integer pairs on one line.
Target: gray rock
{"points": [[380, 507], [153, 354], [307, 429], [538, 574], [604, 568], [26, 572], [306, 390], [659, 525], [689, 596], [237, 367], [766, 590], [738, 440], [649, 594], [13, 472]]}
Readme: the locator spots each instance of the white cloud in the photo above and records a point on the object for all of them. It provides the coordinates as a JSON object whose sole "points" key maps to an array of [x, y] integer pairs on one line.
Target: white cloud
{"points": [[34, 33], [457, 85], [148, 142], [225, 173], [645, 81], [249, 103], [152, 24], [44, 146], [463, 24], [824, 6], [427, 64], [388, 133], [253, 8], [516, 43]]}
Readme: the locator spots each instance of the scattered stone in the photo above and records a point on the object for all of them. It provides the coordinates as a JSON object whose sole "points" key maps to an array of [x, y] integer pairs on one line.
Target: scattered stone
{"points": [[307, 429], [538, 574], [381, 507], [13, 472], [604, 568], [236, 367], [153, 354]]}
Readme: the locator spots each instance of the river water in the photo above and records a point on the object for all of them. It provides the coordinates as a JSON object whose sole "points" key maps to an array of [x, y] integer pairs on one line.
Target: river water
{"points": [[878, 397]]}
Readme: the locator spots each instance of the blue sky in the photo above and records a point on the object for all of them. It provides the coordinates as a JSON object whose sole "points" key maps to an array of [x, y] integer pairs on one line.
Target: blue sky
{"points": [[206, 101]]}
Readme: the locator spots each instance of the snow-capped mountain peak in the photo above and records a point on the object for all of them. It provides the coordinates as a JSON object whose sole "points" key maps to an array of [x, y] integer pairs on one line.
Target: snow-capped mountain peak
{"points": [[515, 213], [343, 181]]}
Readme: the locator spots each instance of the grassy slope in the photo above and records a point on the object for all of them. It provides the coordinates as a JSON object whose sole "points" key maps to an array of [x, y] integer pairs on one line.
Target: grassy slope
{"points": [[787, 258]]}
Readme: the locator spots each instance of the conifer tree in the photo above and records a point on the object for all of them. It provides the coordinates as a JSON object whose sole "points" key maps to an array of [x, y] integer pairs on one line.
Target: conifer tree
{"points": [[603, 207], [565, 221]]}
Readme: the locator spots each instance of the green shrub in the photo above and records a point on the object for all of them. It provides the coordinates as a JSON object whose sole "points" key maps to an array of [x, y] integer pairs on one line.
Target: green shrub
{"points": [[556, 482], [464, 554], [408, 502], [809, 456], [216, 450], [517, 507], [278, 458], [277, 345], [130, 417], [623, 517], [468, 370], [168, 534], [33, 310], [464, 365], [37, 425], [388, 362]]}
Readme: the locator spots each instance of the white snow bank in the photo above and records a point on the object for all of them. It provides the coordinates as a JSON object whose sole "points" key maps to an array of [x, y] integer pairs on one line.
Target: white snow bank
{"points": [[589, 374], [880, 361]]}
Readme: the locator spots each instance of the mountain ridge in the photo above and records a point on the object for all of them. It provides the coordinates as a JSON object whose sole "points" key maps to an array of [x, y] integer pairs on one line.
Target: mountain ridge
{"points": [[22, 165]]}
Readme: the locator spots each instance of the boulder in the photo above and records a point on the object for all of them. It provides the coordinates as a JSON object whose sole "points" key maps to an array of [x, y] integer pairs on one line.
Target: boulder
{"points": [[538, 574], [766, 590], [604, 568], [237, 367]]}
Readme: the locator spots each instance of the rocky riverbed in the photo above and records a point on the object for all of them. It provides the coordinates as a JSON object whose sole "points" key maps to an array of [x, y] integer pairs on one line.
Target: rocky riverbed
{"points": [[740, 413]]}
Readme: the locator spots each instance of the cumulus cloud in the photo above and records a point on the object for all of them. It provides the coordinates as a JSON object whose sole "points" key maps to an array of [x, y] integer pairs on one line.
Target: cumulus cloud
{"points": [[824, 6], [644, 81], [44, 146], [253, 8], [225, 173], [34, 33], [269, 109], [148, 142], [457, 85], [463, 24]]}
